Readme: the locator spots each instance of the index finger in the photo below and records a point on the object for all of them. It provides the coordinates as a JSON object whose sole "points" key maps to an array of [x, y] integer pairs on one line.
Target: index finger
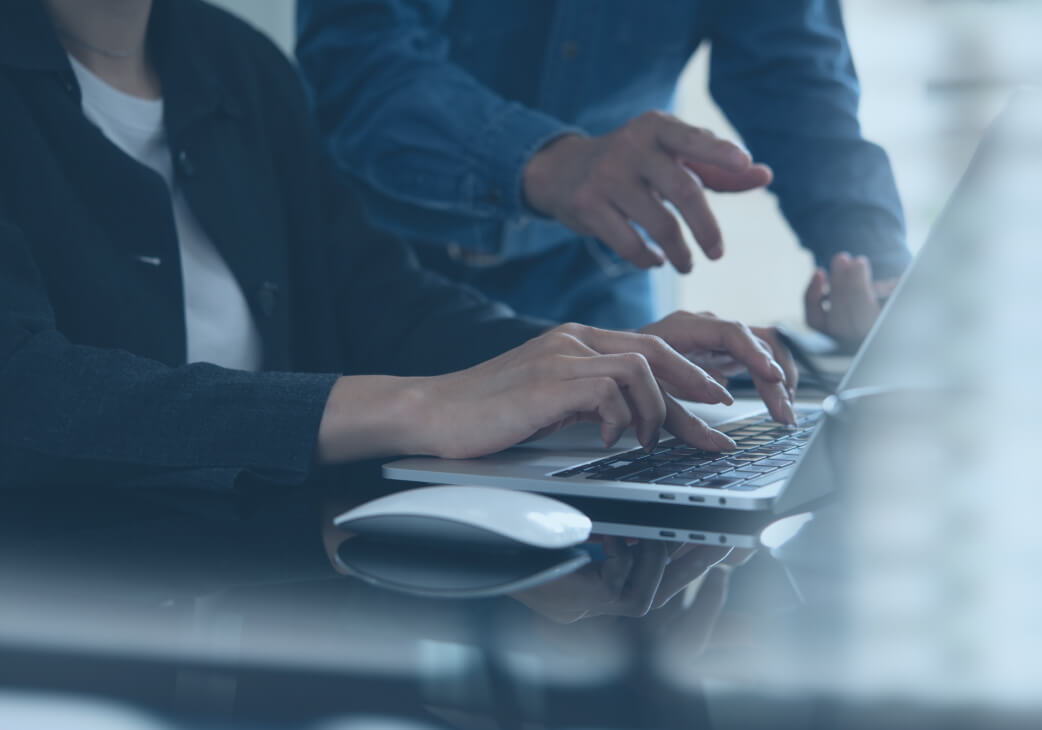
{"points": [[740, 343], [782, 356], [700, 145], [756, 355]]}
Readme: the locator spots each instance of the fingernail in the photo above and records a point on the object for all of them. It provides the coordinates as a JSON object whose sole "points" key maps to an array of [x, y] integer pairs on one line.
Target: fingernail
{"points": [[725, 396], [715, 252], [790, 414], [723, 441], [778, 372], [740, 158]]}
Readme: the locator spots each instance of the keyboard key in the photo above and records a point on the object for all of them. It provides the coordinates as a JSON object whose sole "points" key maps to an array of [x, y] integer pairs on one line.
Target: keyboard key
{"points": [[619, 473], [718, 482], [728, 464], [774, 476], [649, 475], [569, 472], [777, 462], [692, 451], [743, 473], [679, 480], [751, 455], [758, 467], [716, 467], [688, 464], [700, 471]]}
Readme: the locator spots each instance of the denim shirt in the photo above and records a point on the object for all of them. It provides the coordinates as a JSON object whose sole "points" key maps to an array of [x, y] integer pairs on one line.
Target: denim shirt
{"points": [[437, 105]]}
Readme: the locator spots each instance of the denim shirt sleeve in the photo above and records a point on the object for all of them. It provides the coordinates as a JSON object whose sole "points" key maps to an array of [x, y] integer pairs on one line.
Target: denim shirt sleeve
{"points": [[783, 74], [440, 155]]}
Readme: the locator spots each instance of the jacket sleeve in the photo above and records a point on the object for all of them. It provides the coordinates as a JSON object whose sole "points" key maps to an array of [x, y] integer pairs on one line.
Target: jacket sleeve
{"points": [[439, 155], [783, 74], [73, 415]]}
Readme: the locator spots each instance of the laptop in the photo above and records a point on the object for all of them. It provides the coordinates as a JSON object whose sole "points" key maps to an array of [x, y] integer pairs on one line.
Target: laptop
{"points": [[776, 468]]}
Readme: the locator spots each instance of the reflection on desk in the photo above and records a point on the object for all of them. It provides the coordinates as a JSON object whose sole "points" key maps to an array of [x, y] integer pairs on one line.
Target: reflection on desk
{"points": [[186, 614]]}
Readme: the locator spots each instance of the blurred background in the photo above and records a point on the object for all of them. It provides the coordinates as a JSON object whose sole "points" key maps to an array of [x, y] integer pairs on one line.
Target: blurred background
{"points": [[934, 73]]}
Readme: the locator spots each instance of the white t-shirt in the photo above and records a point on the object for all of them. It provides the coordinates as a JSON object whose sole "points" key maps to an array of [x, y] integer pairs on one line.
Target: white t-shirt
{"points": [[218, 322]]}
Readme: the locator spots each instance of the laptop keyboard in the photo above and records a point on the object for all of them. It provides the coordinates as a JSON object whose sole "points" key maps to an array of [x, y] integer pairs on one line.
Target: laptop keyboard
{"points": [[766, 452]]}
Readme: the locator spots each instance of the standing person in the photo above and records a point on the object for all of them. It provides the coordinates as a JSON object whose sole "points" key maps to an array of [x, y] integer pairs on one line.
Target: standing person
{"points": [[516, 142]]}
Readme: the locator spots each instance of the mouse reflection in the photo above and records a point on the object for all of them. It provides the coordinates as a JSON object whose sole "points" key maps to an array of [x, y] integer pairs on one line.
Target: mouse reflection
{"points": [[622, 577]]}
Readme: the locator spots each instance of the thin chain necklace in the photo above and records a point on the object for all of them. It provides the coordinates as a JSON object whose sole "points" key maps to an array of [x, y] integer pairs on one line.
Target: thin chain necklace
{"points": [[107, 52]]}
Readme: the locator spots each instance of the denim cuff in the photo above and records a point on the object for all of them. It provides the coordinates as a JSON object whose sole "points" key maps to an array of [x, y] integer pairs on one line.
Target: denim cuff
{"points": [[504, 147], [878, 238]]}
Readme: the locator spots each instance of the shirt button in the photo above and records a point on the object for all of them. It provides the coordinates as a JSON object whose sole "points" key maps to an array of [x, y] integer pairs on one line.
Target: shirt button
{"points": [[570, 50], [185, 164], [268, 298]]}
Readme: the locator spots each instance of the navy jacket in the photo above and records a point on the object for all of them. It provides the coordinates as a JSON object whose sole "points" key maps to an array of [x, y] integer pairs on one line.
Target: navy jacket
{"points": [[436, 106], [94, 388]]}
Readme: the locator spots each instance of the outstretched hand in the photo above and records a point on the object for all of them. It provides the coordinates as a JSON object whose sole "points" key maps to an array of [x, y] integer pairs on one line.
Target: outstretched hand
{"points": [[598, 186]]}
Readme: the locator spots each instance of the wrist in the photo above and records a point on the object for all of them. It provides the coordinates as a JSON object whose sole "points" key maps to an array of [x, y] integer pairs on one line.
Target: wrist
{"points": [[371, 416], [540, 175]]}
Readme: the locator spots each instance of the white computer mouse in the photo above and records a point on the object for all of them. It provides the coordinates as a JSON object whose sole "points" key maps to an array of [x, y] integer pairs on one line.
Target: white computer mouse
{"points": [[485, 516]]}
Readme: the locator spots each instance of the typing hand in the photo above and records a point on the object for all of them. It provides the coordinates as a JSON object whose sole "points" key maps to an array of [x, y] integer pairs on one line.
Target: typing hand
{"points": [[571, 373], [725, 348], [844, 302], [598, 185], [575, 372]]}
